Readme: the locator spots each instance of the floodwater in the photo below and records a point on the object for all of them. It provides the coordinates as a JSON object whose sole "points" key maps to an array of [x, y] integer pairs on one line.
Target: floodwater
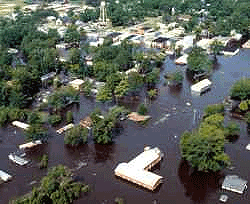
{"points": [[171, 116]]}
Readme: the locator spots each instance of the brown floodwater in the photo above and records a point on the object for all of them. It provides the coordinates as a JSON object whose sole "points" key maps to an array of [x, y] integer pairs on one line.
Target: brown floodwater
{"points": [[170, 118]]}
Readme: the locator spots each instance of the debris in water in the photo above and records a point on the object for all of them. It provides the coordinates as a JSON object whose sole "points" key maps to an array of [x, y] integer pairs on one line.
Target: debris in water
{"points": [[33, 182], [223, 198], [248, 147], [231, 167], [81, 164], [155, 202]]}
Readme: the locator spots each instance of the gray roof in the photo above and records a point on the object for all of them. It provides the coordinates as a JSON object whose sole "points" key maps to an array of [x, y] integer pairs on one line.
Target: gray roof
{"points": [[234, 183]]}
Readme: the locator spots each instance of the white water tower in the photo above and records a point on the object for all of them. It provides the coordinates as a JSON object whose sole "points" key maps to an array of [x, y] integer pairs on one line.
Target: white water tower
{"points": [[103, 19]]}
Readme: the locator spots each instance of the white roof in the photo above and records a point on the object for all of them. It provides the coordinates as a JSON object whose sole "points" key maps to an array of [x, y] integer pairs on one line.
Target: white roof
{"points": [[30, 144], [145, 158], [201, 85], [21, 125], [4, 176], [77, 82], [182, 59], [205, 43], [61, 130], [141, 177], [234, 183]]}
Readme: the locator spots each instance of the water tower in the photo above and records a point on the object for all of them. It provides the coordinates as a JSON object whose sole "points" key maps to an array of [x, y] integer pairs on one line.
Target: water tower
{"points": [[103, 19]]}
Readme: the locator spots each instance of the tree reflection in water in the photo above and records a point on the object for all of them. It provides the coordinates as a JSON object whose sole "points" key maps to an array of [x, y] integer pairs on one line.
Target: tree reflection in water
{"points": [[198, 185]]}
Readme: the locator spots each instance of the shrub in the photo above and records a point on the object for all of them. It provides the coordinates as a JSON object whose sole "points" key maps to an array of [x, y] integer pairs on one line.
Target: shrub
{"points": [[54, 119], [69, 117], [142, 109], [213, 109]]}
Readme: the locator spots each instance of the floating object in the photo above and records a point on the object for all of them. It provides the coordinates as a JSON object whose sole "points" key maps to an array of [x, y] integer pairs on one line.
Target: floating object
{"points": [[136, 170], [30, 144], [21, 125], [201, 86], [223, 198], [234, 183], [248, 147], [18, 159], [33, 182], [4, 176], [138, 118], [65, 128]]}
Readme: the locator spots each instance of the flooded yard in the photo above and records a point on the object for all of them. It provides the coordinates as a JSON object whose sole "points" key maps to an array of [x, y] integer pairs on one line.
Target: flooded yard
{"points": [[172, 112]]}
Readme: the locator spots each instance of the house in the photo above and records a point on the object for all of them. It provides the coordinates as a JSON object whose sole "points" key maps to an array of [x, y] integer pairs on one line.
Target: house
{"points": [[76, 84], [59, 22], [161, 42], [136, 170], [235, 184], [201, 86], [184, 18]]}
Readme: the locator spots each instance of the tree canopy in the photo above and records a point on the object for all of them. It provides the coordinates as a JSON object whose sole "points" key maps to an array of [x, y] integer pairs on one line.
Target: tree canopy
{"points": [[204, 147], [57, 187]]}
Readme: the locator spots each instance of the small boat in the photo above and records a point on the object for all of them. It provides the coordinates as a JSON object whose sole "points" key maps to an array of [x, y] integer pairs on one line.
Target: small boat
{"points": [[17, 159]]}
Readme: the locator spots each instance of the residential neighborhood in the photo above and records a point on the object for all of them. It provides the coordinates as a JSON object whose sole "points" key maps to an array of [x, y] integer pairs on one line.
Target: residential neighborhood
{"points": [[116, 101]]}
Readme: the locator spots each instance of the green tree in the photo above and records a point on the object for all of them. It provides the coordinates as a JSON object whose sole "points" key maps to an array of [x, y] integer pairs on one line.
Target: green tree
{"points": [[72, 35], [76, 135], [54, 120], [232, 129], [215, 47], [122, 89], [74, 55], [213, 109], [241, 89], [36, 132], [69, 117], [57, 187], [104, 94], [142, 109], [198, 61], [204, 147], [34, 118], [152, 93]]}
